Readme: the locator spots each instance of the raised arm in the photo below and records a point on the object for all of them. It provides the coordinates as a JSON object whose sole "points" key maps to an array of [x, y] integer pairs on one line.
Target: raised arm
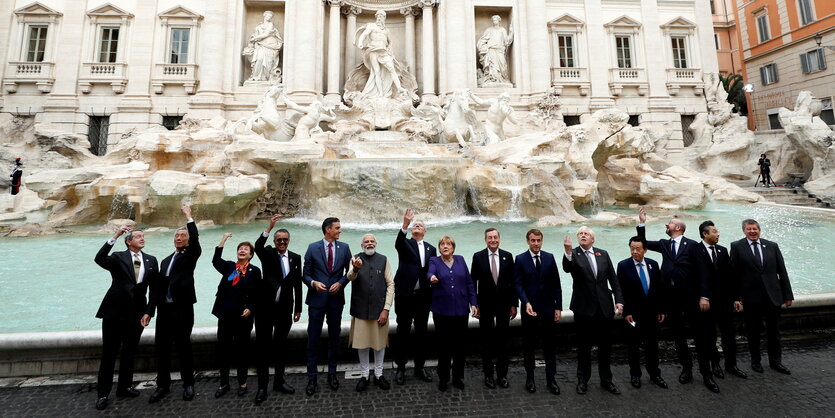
{"points": [[293, 105], [194, 249], [103, 258]]}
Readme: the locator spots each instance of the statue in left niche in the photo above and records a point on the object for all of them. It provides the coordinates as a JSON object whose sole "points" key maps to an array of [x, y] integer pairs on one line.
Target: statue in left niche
{"points": [[263, 51]]}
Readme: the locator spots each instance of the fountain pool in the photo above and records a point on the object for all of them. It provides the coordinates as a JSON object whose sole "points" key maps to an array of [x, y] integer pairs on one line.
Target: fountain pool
{"points": [[50, 283]]}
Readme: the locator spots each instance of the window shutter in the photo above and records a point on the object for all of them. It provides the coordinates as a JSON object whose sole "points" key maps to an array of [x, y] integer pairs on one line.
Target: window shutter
{"points": [[821, 59], [774, 73], [804, 63], [763, 77]]}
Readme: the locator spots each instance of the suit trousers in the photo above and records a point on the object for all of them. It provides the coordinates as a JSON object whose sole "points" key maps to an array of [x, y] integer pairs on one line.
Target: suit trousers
{"points": [[316, 318], [534, 328], [495, 327], [755, 314], [119, 337], [724, 318], [593, 330], [271, 329], [701, 325], [233, 346], [452, 332], [413, 307], [645, 331], [174, 324]]}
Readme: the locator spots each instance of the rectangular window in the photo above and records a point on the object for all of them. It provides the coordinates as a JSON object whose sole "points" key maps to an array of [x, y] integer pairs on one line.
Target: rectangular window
{"points": [[768, 74], [712, 7], [762, 28], [171, 122], [773, 119], [566, 46], [686, 134], [716, 40], [826, 114], [804, 7], [97, 134], [571, 120], [679, 52], [109, 44], [813, 61], [624, 51], [36, 44], [179, 45], [634, 120]]}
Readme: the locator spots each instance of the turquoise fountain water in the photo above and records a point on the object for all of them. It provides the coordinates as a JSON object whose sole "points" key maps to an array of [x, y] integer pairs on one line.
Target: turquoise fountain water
{"points": [[51, 283]]}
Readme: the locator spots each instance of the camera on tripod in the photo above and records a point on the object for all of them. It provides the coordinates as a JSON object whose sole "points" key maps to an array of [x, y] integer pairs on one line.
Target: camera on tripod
{"points": [[765, 172]]}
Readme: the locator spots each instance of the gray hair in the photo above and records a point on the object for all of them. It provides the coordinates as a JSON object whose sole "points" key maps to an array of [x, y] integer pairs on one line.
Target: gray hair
{"points": [[750, 222], [129, 234], [585, 229]]}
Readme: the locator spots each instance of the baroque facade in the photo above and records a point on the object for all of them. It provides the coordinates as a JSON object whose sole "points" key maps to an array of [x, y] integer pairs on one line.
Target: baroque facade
{"points": [[108, 68]]}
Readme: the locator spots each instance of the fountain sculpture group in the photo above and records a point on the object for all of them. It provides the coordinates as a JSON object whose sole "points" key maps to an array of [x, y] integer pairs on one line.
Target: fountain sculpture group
{"points": [[383, 149]]}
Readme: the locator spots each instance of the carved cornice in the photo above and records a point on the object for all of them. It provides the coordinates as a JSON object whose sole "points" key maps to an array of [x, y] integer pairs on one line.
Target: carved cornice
{"points": [[389, 4]]}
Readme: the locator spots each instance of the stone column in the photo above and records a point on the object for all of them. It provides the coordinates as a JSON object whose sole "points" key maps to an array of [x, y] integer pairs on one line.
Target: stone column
{"points": [[351, 13], [598, 64], [302, 48], [538, 61], [208, 102], [428, 50], [334, 44], [410, 13]]}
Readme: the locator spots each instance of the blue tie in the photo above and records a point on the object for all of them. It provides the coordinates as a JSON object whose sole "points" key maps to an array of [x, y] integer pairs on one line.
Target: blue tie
{"points": [[673, 247], [643, 278]]}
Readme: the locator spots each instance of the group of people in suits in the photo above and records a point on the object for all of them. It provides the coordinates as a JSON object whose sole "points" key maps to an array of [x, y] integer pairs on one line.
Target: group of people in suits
{"points": [[699, 286]]}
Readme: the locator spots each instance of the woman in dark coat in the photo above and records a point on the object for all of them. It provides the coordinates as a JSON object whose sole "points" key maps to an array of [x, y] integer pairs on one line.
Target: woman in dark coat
{"points": [[233, 309]]}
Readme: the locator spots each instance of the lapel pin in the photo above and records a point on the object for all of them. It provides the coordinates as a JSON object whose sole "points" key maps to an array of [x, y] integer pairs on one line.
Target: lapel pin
{"points": [[597, 254]]}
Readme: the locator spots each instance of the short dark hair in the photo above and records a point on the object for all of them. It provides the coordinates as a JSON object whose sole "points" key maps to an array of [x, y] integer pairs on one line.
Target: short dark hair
{"points": [[328, 222], [129, 234], [640, 239], [704, 228], [282, 230], [533, 231], [251, 248], [750, 222], [488, 230]]}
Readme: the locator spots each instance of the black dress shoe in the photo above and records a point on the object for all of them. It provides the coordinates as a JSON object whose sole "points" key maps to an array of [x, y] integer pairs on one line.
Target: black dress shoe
{"points": [[717, 371], [711, 384], [400, 377], [658, 381], [311, 387], [127, 393], [685, 377], [221, 391], [242, 390], [423, 374], [489, 382], [284, 388], [736, 372], [503, 383], [382, 383], [757, 367], [458, 384], [636, 382], [333, 382], [443, 386], [260, 396], [530, 385], [553, 387], [610, 387], [101, 403], [158, 394], [362, 385], [582, 388], [188, 393], [780, 368]]}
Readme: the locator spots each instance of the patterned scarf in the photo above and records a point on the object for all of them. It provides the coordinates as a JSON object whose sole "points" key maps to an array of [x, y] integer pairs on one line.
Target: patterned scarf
{"points": [[238, 274]]}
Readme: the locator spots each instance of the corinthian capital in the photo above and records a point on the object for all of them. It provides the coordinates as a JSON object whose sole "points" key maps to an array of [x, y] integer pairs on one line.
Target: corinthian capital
{"points": [[332, 3], [351, 10], [410, 11], [428, 3]]}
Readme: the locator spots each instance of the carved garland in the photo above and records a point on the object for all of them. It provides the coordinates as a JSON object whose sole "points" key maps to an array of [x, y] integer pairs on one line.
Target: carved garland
{"points": [[389, 4]]}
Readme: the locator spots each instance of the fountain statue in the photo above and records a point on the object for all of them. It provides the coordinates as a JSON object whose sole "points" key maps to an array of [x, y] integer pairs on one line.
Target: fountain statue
{"points": [[460, 122], [499, 110], [312, 115], [263, 51], [492, 55]]}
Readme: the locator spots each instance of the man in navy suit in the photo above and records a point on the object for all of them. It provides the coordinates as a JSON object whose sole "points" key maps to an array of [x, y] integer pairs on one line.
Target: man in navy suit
{"points": [[124, 310], [682, 287], [412, 297], [538, 287], [712, 263], [765, 286], [592, 273], [326, 265], [643, 309]]}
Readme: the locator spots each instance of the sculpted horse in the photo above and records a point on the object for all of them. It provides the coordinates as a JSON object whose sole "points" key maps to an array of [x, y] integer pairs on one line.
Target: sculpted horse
{"points": [[266, 120], [460, 122]]}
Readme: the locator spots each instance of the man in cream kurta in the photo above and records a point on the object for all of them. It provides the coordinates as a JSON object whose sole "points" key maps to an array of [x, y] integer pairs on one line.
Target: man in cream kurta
{"points": [[371, 296]]}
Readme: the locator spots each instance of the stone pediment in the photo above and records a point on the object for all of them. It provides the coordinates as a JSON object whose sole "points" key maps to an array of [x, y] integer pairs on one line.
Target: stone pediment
{"points": [[567, 20], [180, 12], [36, 9], [679, 23], [108, 10], [624, 22]]}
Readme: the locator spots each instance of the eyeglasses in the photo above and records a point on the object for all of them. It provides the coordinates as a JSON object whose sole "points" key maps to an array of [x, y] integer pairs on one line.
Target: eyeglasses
{"points": [[282, 240]]}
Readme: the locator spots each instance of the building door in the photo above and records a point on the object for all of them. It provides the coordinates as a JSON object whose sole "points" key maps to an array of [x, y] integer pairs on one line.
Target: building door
{"points": [[97, 134]]}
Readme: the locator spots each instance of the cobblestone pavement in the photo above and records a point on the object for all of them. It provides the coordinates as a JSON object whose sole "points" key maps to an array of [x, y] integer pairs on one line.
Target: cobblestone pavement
{"points": [[809, 391]]}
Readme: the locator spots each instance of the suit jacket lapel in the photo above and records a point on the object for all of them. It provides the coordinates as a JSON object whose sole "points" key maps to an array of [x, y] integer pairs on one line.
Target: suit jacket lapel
{"points": [[583, 261], [127, 258]]}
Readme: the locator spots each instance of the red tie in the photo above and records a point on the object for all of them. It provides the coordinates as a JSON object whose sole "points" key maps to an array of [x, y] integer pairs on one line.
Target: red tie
{"points": [[330, 257]]}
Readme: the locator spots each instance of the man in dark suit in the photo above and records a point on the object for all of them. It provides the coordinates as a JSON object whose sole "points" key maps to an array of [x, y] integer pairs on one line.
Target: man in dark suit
{"points": [[537, 282], [677, 272], [592, 273], [493, 276], [643, 297], [175, 298], [412, 297], [124, 311], [759, 265], [326, 264], [278, 305], [712, 264]]}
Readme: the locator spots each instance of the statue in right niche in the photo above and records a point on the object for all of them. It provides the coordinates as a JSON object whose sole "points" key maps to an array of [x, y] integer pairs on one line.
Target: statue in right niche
{"points": [[492, 53]]}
